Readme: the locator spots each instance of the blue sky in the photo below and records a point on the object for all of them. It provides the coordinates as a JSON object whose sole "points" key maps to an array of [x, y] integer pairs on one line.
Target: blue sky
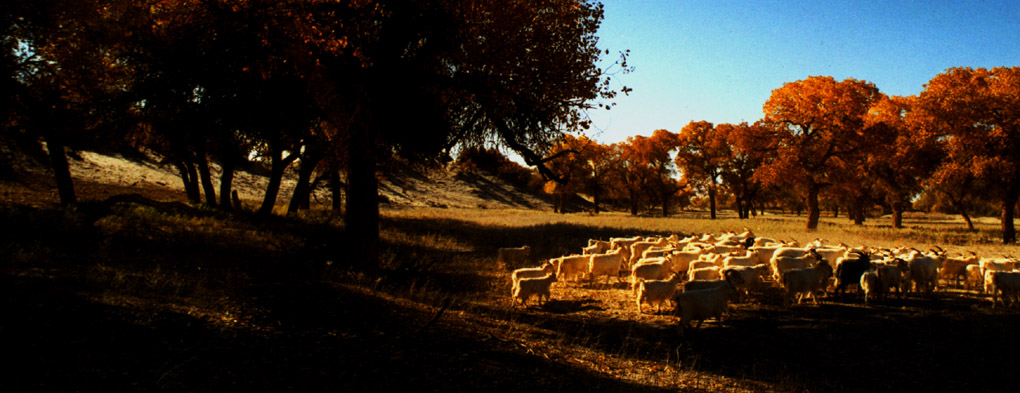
{"points": [[720, 60]]}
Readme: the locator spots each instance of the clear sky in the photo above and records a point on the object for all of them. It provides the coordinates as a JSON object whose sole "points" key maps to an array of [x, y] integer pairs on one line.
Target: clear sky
{"points": [[720, 60]]}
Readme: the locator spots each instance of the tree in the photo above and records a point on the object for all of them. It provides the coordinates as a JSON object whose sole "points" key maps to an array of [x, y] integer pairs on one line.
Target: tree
{"points": [[976, 112], [650, 166], [701, 153], [68, 74], [905, 159], [748, 152], [816, 121], [418, 77]]}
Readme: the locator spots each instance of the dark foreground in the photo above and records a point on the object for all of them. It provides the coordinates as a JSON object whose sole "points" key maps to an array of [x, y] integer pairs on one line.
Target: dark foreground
{"points": [[136, 298]]}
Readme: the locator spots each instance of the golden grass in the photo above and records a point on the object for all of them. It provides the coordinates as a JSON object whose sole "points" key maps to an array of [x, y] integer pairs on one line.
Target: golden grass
{"points": [[921, 230]]}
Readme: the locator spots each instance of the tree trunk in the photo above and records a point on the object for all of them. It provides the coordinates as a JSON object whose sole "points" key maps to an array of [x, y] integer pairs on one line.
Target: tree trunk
{"points": [[226, 182], [958, 204], [595, 199], [858, 210], [1008, 210], [336, 189], [362, 216], [279, 165], [189, 176], [812, 203], [665, 204], [61, 171], [633, 203], [303, 190], [835, 212], [206, 176], [897, 216], [711, 201]]}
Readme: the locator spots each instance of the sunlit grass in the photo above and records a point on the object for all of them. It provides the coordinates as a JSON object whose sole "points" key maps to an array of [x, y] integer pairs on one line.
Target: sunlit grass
{"points": [[921, 230]]}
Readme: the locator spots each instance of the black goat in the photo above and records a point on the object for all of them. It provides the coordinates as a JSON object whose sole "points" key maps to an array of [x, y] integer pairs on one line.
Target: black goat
{"points": [[849, 271]]}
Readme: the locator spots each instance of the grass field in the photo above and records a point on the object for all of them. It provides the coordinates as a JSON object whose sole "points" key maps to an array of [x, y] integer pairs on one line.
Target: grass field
{"points": [[173, 298]]}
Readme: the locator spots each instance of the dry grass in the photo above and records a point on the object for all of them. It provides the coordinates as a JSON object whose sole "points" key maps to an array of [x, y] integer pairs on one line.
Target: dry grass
{"points": [[139, 298]]}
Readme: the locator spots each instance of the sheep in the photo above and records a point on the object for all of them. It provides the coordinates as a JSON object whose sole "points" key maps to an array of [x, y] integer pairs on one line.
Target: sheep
{"points": [[572, 266], [533, 287], [923, 271], [598, 246], [955, 268], [624, 243], [973, 278], [734, 278], [682, 259], [748, 259], [655, 269], [607, 264], [514, 256], [656, 291], [699, 305], [656, 252], [891, 275], [765, 253], [702, 265], [871, 285], [1000, 265], [799, 282], [708, 273], [1007, 283], [850, 269], [531, 272], [784, 264], [750, 276], [637, 248]]}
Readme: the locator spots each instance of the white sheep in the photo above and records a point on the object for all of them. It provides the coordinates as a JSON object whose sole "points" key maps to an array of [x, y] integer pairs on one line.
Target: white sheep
{"points": [[699, 305], [891, 276], [656, 291], [750, 276], [682, 259], [1006, 283], [638, 248], [534, 287], [572, 267], [733, 278], [655, 269], [531, 272], [923, 271], [955, 268], [748, 259], [800, 282], [973, 278], [702, 265], [783, 264], [514, 256], [597, 246], [871, 285], [608, 264], [707, 273], [656, 252]]}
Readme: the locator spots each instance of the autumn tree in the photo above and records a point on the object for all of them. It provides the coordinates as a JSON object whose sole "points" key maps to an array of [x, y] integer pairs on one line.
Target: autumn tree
{"points": [[976, 112], [701, 153], [748, 151], [904, 160], [816, 121], [584, 166], [650, 166], [65, 61]]}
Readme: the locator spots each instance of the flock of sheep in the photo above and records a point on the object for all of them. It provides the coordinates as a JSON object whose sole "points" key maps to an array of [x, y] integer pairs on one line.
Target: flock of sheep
{"points": [[701, 275]]}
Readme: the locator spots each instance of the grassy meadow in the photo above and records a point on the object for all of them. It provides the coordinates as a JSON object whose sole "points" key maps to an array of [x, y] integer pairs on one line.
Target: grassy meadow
{"points": [[170, 297]]}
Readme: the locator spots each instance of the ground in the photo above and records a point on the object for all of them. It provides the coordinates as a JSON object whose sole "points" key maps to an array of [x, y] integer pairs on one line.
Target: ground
{"points": [[132, 297]]}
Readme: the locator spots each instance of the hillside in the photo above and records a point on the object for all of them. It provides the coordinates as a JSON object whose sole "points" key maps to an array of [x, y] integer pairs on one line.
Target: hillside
{"points": [[98, 176]]}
